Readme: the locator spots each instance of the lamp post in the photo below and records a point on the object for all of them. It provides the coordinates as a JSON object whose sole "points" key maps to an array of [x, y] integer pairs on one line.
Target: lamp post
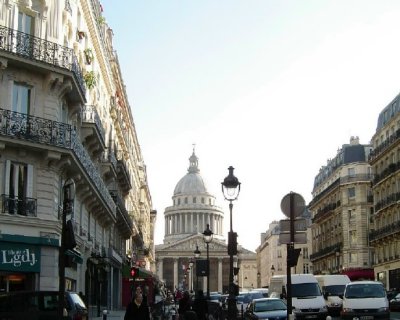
{"points": [[191, 263], [231, 190], [68, 207], [196, 256], [207, 237]]}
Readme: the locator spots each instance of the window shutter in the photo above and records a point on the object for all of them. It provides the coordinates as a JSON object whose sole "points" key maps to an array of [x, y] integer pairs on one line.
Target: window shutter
{"points": [[7, 178], [29, 186]]}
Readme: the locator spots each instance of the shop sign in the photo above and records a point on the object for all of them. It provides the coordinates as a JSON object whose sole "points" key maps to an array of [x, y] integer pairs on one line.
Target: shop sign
{"points": [[19, 257]]}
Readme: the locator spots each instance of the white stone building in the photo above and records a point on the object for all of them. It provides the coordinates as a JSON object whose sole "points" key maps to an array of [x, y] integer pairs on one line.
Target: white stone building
{"points": [[192, 209]]}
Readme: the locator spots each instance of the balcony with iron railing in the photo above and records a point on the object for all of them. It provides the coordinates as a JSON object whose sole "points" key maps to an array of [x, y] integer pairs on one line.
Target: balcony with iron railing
{"points": [[376, 152], [19, 126], [123, 175], [330, 250], [92, 129], [386, 231], [19, 206], [109, 164], [124, 221], [390, 169], [324, 212], [386, 202], [31, 50]]}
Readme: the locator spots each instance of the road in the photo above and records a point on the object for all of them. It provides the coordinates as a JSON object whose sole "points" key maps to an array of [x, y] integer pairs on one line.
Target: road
{"points": [[393, 316]]}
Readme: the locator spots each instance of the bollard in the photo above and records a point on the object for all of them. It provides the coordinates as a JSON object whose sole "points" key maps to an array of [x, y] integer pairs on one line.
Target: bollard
{"points": [[105, 314]]}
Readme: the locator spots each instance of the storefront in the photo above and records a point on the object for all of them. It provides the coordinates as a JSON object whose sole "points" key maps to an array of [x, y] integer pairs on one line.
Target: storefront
{"points": [[21, 261]]}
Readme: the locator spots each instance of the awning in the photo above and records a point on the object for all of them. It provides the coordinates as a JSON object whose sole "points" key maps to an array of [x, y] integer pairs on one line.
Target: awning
{"points": [[76, 256], [359, 274]]}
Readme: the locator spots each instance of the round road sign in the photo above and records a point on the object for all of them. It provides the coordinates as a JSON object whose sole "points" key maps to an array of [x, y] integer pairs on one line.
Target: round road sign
{"points": [[298, 204]]}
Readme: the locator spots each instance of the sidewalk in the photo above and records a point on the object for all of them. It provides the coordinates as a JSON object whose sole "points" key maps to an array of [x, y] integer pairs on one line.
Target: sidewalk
{"points": [[112, 315]]}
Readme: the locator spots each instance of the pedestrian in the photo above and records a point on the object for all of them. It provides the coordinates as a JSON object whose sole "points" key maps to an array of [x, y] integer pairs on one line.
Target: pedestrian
{"points": [[184, 304], [200, 305], [136, 309]]}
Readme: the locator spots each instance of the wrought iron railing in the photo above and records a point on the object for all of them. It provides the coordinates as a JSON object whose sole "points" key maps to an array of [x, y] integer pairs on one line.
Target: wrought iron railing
{"points": [[37, 49], [326, 251], [384, 145], [20, 206], [35, 129], [122, 213], [385, 231], [90, 115]]}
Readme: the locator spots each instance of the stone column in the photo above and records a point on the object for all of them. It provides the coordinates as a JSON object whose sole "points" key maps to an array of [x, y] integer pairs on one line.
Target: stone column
{"points": [[219, 274], [160, 268], [175, 273]]}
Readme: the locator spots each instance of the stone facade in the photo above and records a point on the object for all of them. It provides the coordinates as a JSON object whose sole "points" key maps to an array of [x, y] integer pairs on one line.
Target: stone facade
{"points": [[193, 208], [64, 114], [385, 159]]}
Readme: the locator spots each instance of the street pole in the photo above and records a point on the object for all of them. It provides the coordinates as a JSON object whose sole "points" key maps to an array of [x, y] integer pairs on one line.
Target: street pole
{"points": [[68, 200]]}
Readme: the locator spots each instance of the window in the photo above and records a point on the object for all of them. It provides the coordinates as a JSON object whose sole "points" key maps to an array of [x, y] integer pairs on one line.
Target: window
{"points": [[353, 237], [194, 200], [351, 192], [21, 99], [305, 253], [353, 257], [24, 39], [18, 189], [186, 200], [351, 172], [202, 200]]}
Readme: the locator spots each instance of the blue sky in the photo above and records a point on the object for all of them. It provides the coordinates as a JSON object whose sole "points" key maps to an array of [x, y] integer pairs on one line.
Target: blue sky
{"points": [[271, 87]]}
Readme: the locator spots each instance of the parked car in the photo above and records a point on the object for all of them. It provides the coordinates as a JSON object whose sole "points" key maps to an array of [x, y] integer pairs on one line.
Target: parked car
{"points": [[394, 304], [35, 305], [244, 298], [266, 308]]}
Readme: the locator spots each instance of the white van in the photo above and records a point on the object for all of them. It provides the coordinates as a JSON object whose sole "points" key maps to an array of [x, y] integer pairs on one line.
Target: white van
{"points": [[365, 300], [307, 299], [332, 286]]}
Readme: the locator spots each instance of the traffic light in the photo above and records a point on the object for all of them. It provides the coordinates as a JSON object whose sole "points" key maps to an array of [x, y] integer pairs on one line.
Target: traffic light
{"points": [[134, 272], [232, 243], [293, 256]]}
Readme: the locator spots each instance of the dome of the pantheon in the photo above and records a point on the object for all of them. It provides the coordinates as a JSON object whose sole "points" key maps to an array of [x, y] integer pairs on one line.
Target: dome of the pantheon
{"points": [[193, 207]]}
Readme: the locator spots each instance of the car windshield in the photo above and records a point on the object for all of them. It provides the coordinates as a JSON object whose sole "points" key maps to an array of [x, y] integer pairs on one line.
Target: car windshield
{"points": [[334, 290], [301, 290], [269, 305], [76, 299], [365, 291]]}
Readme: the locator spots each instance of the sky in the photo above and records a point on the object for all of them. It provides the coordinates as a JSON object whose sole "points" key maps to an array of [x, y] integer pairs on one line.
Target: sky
{"points": [[271, 87]]}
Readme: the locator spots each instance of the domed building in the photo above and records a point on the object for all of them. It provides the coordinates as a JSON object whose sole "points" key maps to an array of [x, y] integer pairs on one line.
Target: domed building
{"points": [[193, 209]]}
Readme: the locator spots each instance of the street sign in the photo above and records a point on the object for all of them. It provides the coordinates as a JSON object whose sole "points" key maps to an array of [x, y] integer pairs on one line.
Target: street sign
{"points": [[298, 204], [299, 225], [299, 237]]}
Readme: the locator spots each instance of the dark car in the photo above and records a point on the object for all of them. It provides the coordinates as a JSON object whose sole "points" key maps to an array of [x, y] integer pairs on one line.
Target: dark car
{"points": [[394, 303], [35, 305], [266, 308]]}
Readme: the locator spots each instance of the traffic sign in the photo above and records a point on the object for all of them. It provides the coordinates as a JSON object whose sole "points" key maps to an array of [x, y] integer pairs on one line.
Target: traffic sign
{"points": [[299, 237], [299, 225], [298, 204]]}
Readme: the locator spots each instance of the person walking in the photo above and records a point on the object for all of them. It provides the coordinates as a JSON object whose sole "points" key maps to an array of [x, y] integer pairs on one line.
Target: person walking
{"points": [[200, 305], [136, 309], [184, 304]]}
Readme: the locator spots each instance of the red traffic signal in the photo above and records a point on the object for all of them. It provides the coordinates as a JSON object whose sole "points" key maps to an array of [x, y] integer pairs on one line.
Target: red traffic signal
{"points": [[134, 272]]}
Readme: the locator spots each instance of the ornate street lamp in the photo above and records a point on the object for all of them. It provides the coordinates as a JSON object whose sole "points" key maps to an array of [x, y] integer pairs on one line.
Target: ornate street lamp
{"points": [[208, 237], [68, 208], [231, 190], [197, 254], [191, 263]]}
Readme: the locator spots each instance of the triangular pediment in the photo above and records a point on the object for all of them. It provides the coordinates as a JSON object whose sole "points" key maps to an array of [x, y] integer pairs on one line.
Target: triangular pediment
{"points": [[189, 244]]}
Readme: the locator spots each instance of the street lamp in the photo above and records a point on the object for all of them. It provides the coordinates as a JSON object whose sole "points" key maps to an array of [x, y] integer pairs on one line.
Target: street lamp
{"points": [[196, 256], [191, 263], [231, 190], [208, 237], [68, 208]]}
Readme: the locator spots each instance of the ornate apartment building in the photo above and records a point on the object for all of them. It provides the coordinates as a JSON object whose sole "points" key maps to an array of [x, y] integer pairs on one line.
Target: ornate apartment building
{"points": [[64, 114], [385, 160], [342, 212]]}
